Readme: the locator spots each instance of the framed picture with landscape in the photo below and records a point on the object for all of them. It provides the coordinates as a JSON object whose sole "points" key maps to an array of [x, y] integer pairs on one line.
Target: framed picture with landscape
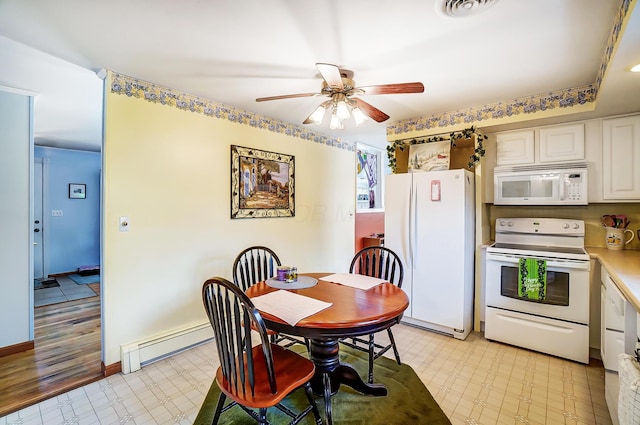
{"points": [[262, 183], [432, 156]]}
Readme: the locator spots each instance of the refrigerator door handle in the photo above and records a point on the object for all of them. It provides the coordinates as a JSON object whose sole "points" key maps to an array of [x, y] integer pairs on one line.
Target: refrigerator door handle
{"points": [[412, 217]]}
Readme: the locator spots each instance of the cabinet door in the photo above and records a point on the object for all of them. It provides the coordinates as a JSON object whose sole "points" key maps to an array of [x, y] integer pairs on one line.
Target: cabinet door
{"points": [[621, 158], [603, 301], [515, 147], [562, 143]]}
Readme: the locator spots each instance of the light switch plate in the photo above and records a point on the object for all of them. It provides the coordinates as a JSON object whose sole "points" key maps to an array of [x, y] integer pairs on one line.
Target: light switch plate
{"points": [[124, 224]]}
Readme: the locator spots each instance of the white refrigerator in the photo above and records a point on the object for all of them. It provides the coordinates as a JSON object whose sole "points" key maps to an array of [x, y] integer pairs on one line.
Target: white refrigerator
{"points": [[429, 221]]}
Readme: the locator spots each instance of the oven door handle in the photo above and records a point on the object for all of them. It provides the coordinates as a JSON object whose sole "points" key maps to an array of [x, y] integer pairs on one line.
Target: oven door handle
{"points": [[566, 264]]}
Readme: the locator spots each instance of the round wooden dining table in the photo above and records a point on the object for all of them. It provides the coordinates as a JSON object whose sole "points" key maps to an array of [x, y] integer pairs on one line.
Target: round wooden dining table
{"points": [[354, 312]]}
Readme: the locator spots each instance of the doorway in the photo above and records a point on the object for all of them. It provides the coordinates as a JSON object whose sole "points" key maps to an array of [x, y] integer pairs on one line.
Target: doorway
{"points": [[66, 335], [66, 226]]}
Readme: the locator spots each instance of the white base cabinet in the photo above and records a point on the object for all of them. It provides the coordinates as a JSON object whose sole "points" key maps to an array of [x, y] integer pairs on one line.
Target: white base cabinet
{"points": [[611, 393], [619, 333]]}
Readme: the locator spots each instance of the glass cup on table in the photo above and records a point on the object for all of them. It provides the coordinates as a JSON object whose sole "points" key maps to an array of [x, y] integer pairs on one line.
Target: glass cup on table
{"points": [[292, 275]]}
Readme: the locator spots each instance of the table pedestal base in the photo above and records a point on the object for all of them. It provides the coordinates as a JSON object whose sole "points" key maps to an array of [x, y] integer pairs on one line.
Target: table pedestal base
{"points": [[330, 374]]}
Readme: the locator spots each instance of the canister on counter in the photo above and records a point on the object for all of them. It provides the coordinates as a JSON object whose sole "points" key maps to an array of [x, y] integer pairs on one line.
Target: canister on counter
{"points": [[283, 273]]}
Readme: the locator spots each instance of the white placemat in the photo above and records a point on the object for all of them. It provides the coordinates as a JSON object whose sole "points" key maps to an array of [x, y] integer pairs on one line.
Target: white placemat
{"points": [[354, 280], [289, 306], [301, 283]]}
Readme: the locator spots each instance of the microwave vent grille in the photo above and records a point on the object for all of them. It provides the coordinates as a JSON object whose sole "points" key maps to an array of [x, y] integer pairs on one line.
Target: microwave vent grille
{"points": [[542, 167]]}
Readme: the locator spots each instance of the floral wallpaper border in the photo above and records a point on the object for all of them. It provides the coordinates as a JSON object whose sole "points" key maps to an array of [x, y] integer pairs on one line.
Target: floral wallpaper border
{"points": [[129, 86], [566, 98]]}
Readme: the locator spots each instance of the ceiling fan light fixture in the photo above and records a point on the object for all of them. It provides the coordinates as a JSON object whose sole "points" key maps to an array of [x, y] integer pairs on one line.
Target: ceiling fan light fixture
{"points": [[342, 110], [336, 123], [338, 86], [318, 114], [358, 116]]}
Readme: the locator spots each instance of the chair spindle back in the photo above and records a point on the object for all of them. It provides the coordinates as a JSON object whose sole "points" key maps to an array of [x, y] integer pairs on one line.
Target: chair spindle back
{"points": [[380, 262], [254, 264], [233, 317]]}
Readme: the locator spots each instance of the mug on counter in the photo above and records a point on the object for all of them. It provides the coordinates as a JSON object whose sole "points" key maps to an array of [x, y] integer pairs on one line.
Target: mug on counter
{"points": [[616, 239]]}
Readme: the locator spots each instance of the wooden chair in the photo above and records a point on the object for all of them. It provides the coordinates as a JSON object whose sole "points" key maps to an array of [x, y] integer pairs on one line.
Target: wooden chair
{"points": [[383, 263], [252, 377], [253, 265]]}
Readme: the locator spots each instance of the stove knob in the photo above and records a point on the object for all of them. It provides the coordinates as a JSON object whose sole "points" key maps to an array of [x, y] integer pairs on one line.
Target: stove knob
{"points": [[510, 224], [565, 226], [501, 223], [576, 225]]}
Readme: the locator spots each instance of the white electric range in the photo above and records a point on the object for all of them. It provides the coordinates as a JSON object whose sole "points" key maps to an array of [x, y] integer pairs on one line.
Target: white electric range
{"points": [[558, 323]]}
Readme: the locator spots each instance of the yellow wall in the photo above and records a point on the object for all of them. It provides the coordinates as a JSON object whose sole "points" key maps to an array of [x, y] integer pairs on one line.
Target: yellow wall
{"points": [[168, 171]]}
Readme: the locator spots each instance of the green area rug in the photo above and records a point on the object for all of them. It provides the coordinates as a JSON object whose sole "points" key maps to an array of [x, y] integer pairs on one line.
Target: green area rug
{"points": [[408, 400]]}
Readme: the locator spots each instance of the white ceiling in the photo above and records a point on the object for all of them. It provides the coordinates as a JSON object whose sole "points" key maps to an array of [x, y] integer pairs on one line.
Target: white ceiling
{"points": [[234, 51]]}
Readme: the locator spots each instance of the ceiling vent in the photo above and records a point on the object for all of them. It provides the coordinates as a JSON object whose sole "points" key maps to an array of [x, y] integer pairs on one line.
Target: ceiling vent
{"points": [[462, 8]]}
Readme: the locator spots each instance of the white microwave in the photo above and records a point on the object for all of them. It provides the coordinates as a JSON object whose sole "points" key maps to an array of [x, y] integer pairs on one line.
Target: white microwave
{"points": [[541, 184]]}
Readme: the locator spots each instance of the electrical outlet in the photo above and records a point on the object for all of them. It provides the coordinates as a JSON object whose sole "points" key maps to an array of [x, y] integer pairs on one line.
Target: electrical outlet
{"points": [[124, 224], [56, 213]]}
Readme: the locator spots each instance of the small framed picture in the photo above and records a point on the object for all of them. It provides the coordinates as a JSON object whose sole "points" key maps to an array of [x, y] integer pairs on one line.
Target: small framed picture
{"points": [[77, 191]]}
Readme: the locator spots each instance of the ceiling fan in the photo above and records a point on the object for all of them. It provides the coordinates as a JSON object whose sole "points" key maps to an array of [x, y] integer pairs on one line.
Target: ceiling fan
{"points": [[339, 86]]}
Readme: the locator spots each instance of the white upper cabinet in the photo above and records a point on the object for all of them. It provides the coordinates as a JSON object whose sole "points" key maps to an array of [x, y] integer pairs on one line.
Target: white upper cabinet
{"points": [[515, 147], [561, 143], [621, 158], [548, 144]]}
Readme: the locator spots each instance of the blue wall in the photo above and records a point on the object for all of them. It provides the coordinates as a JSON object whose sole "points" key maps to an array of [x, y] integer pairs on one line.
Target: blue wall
{"points": [[73, 239]]}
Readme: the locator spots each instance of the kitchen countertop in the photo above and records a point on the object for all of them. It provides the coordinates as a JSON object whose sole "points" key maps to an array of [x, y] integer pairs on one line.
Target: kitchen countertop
{"points": [[624, 268]]}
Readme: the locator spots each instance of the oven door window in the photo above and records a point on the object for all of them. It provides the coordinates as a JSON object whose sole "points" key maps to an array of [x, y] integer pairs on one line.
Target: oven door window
{"points": [[557, 286]]}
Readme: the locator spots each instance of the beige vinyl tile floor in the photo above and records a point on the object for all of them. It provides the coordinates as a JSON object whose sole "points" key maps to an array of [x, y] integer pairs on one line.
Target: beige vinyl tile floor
{"points": [[475, 381]]}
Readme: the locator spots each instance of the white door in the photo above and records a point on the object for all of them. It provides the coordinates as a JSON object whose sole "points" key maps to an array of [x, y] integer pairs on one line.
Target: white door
{"points": [[38, 238]]}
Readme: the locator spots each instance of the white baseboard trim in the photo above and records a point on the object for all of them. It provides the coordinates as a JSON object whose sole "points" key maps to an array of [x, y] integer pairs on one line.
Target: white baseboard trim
{"points": [[135, 355]]}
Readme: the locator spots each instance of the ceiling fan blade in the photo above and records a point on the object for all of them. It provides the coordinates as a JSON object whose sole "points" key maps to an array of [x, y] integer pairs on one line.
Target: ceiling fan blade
{"points": [[286, 96], [398, 88], [370, 110], [331, 74]]}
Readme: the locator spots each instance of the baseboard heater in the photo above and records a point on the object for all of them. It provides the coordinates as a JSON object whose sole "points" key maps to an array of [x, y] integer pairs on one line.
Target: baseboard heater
{"points": [[137, 354]]}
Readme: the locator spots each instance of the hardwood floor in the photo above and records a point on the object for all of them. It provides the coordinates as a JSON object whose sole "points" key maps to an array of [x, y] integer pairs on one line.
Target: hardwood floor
{"points": [[67, 354]]}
